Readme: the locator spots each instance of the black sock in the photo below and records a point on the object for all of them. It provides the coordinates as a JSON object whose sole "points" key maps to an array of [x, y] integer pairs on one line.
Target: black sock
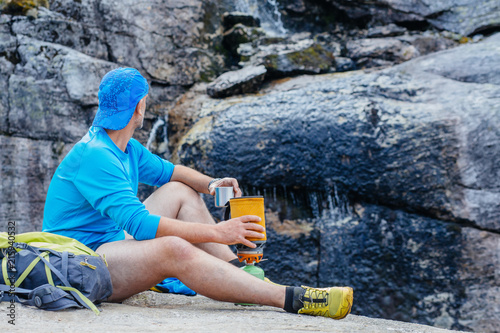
{"points": [[236, 262], [292, 299]]}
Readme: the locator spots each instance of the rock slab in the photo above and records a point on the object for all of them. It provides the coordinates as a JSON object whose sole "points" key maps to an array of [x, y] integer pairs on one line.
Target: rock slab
{"points": [[245, 80], [152, 313]]}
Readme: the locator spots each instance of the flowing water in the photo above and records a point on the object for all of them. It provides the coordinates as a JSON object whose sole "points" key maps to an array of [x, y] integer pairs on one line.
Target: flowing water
{"points": [[327, 206], [265, 10], [270, 17], [159, 125]]}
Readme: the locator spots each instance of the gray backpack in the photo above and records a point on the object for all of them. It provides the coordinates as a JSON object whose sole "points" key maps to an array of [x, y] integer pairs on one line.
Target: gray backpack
{"points": [[51, 272]]}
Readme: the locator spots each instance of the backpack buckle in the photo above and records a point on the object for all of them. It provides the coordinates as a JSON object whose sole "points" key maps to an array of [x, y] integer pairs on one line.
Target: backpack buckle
{"points": [[23, 246]]}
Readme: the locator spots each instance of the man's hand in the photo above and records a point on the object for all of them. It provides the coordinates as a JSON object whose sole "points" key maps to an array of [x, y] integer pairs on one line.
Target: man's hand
{"points": [[226, 182], [237, 230]]}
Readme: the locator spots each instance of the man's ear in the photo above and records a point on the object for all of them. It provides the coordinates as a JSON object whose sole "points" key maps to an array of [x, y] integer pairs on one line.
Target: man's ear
{"points": [[138, 108]]}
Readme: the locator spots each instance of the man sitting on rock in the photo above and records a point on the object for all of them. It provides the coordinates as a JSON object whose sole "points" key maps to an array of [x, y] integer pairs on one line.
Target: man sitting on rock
{"points": [[93, 198]]}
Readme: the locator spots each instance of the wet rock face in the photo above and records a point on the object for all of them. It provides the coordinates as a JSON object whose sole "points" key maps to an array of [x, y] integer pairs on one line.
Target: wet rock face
{"points": [[371, 52], [402, 266], [409, 267], [416, 141], [56, 28], [394, 137], [229, 20]]}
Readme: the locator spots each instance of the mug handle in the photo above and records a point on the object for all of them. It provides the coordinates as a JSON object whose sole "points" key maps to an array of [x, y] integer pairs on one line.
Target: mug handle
{"points": [[227, 211]]}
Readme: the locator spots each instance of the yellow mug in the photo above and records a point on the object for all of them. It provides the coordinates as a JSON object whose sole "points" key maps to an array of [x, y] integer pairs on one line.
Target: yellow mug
{"points": [[249, 206]]}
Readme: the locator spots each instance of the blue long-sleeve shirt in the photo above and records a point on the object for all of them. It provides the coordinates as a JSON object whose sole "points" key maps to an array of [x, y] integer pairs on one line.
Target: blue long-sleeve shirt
{"points": [[93, 194]]}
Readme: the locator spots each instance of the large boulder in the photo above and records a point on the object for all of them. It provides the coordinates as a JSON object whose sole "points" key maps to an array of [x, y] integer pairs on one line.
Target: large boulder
{"points": [[312, 60], [288, 57], [414, 152], [54, 27], [371, 52], [53, 91], [166, 40], [245, 80], [465, 17], [421, 135]]}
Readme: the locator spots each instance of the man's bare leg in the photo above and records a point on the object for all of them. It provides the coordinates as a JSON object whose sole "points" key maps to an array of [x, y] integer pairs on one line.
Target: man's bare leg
{"points": [[179, 201], [136, 266]]}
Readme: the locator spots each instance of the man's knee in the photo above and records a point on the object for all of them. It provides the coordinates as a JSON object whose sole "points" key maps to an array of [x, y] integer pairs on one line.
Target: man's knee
{"points": [[181, 190], [169, 199], [177, 248]]}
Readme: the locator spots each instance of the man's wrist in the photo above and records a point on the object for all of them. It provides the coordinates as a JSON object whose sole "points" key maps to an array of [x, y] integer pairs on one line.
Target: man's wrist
{"points": [[212, 182]]}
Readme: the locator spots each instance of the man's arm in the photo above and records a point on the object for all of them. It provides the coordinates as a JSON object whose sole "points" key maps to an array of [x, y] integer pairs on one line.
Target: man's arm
{"points": [[228, 232], [199, 182]]}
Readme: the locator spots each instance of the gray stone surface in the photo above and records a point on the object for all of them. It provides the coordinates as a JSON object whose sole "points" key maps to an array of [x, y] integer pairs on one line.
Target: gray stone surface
{"points": [[53, 27], [293, 56], [312, 60], [148, 312], [25, 173], [245, 80], [162, 38], [371, 52], [53, 91], [389, 30], [461, 16]]}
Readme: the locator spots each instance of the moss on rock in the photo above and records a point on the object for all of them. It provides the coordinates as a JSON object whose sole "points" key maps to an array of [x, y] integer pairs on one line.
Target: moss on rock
{"points": [[314, 56], [21, 7], [312, 60]]}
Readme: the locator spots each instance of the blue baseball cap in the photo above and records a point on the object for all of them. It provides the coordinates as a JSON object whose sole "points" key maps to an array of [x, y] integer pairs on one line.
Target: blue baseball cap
{"points": [[119, 92]]}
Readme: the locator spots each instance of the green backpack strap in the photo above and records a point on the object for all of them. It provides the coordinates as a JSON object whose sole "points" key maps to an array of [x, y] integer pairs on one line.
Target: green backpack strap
{"points": [[47, 240]]}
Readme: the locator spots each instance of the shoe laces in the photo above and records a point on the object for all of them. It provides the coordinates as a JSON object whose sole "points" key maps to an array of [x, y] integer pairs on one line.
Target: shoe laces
{"points": [[314, 299]]}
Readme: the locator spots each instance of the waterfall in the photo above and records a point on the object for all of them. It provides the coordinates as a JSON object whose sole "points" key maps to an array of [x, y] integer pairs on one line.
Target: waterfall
{"points": [[265, 10], [338, 211], [327, 206], [152, 135], [314, 203]]}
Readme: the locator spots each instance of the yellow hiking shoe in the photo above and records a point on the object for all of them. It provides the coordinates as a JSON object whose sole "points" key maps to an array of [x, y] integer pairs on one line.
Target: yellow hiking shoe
{"points": [[271, 282], [334, 302]]}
